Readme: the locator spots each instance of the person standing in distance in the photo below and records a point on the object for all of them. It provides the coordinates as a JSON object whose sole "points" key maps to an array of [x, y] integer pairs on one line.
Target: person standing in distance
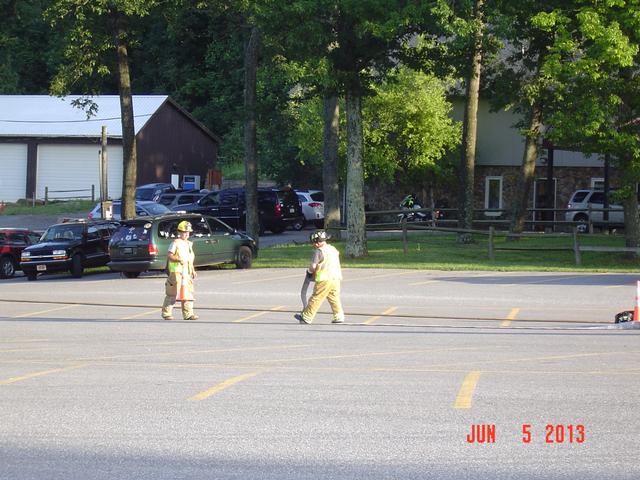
{"points": [[179, 285], [326, 270]]}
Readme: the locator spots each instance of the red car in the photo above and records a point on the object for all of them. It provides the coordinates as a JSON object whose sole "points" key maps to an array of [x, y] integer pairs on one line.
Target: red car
{"points": [[12, 242]]}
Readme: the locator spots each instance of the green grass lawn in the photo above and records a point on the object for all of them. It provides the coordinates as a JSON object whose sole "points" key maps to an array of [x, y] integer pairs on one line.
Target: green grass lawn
{"points": [[441, 252], [70, 206]]}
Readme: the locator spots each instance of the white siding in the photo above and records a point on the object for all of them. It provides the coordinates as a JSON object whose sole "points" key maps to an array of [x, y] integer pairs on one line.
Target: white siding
{"points": [[500, 143], [13, 171], [76, 167]]}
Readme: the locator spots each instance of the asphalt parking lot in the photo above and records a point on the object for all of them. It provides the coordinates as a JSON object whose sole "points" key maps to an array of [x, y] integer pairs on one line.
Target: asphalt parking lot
{"points": [[434, 375]]}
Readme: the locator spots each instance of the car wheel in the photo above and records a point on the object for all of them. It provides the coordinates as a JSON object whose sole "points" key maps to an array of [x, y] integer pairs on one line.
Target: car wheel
{"points": [[76, 266], [131, 274], [244, 258], [299, 225], [31, 276], [7, 267]]}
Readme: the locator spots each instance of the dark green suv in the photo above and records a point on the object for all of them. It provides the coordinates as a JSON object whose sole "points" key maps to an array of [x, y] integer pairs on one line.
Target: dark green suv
{"points": [[141, 244]]}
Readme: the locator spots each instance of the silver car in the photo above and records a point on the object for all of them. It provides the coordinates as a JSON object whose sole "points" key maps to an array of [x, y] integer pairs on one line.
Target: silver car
{"points": [[143, 209], [583, 200]]}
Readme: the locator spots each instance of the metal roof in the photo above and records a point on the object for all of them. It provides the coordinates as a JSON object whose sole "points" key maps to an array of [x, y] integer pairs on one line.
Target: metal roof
{"points": [[47, 116]]}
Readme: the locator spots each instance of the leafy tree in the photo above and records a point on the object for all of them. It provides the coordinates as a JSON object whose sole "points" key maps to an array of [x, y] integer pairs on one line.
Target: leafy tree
{"points": [[474, 34], [521, 85], [592, 69], [94, 33], [407, 127], [358, 42], [28, 49]]}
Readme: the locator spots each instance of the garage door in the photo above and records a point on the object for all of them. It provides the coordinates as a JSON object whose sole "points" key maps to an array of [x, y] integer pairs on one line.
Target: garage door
{"points": [[76, 167], [13, 171]]}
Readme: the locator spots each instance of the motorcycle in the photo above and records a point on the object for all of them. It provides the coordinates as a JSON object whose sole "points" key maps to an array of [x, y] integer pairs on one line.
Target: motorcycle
{"points": [[410, 215]]}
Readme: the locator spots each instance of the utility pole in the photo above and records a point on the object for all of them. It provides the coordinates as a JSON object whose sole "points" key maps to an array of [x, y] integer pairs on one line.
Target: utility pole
{"points": [[105, 204]]}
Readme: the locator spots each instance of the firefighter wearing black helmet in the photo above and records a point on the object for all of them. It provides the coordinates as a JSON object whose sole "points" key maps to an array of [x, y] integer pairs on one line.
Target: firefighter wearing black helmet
{"points": [[327, 273]]}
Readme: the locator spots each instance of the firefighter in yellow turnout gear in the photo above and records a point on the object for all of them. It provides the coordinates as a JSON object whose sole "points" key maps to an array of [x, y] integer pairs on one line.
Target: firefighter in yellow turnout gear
{"points": [[179, 284], [327, 273]]}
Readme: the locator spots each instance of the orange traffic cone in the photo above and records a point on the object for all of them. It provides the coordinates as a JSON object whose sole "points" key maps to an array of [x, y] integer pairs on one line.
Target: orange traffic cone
{"points": [[636, 309]]}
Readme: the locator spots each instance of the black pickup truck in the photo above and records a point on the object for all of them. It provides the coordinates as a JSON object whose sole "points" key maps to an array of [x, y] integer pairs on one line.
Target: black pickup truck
{"points": [[277, 209]]}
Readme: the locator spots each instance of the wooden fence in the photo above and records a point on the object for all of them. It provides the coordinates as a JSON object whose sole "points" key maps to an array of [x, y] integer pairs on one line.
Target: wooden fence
{"points": [[491, 233], [82, 194], [484, 218]]}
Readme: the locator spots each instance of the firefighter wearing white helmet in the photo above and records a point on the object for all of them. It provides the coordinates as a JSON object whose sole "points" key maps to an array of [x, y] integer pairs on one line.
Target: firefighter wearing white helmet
{"points": [[327, 273], [179, 284]]}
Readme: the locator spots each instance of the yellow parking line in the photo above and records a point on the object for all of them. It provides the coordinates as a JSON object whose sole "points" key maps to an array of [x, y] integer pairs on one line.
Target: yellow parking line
{"points": [[259, 314], [465, 395], [370, 320], [512, 315], [149, 312], [37, 374], [44, 311], [382, 275], [221, 386], [267, 279]]}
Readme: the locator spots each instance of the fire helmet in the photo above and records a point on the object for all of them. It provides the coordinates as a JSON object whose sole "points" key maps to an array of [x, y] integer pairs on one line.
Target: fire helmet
{"points": [[185, 226], [318, 236]]}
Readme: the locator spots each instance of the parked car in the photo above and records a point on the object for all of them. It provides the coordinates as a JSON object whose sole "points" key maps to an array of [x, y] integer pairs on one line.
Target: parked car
{"points": [[175, 200], [151, 191], [73, 246], [277, 209], [143, 209], [581, 200], [141, 244], [312, 202], [12, 242]]}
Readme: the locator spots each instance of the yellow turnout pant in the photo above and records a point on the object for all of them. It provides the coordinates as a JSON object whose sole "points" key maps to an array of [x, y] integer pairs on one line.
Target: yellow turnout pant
{"points": [[172, 286], [329, 289]]}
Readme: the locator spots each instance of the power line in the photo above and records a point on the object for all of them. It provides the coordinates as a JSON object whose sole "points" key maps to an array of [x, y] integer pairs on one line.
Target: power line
{"points": [[71, 121]]}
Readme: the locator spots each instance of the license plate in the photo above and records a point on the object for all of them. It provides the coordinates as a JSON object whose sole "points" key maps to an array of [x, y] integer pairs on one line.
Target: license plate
{"points": [[127, 251], [292, 210], [41, 268]]}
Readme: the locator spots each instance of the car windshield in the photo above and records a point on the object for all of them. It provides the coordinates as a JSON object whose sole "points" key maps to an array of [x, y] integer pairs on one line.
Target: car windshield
{"points": [[145, 193], [287, 196], [208, 200], [62, 232], [132, 233], [317, 196], [156, 208], [579, 196], [167, 199]]}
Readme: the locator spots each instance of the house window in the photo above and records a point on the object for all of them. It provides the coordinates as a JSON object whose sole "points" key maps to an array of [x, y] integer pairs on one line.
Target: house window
{"points": [[493, 195], [597, 183]]}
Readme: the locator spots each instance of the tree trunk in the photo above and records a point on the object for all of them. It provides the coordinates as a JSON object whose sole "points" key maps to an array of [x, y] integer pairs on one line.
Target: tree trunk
{"points": [[357, 238], [330, 182], [630, 205], [250, 144], [129, 158], [469, 129], [527, 177]]}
